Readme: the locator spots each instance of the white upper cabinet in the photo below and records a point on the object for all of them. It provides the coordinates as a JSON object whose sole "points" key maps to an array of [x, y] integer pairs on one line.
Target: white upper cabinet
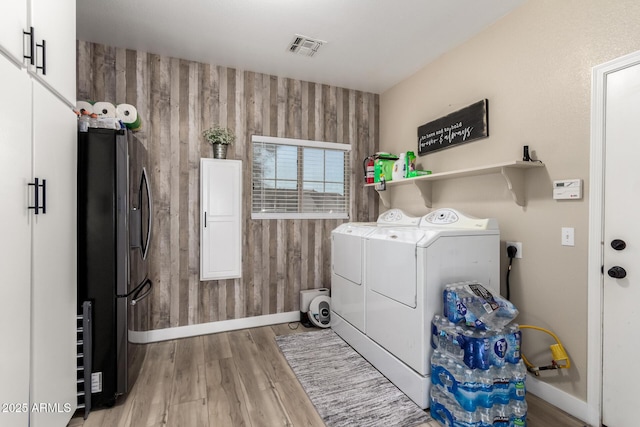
{"points": [[13, 22], [52, 44], [221, 219], [54, 23]]}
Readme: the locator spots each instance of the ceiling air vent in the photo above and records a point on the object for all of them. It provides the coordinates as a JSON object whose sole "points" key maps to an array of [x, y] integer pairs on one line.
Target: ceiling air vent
{"points": [[305, 46]]}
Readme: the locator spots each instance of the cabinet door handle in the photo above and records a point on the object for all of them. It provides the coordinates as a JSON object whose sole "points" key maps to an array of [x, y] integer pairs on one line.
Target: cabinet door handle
{"points": [[36, 196], [31, 56], [205, 219], [43, 67], [44, 196]]}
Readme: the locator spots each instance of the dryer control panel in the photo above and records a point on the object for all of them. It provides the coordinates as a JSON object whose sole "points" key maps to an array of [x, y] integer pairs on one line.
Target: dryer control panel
{"points": [[441, 216]]}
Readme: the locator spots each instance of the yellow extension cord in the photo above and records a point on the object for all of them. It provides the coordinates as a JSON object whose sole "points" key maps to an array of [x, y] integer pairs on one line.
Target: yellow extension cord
{"points": [[560, 359]]}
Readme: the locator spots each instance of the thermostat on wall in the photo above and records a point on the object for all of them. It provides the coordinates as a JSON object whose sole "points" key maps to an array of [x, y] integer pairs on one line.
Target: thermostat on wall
{"points": [[567, 189]]}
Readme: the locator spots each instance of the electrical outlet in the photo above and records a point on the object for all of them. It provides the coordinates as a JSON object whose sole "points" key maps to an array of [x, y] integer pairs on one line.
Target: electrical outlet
{"points": [[518, 246]]}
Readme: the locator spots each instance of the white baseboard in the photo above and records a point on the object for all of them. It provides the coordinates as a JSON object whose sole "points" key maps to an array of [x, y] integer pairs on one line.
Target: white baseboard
{"points": [[146, 337], [558, 398]]}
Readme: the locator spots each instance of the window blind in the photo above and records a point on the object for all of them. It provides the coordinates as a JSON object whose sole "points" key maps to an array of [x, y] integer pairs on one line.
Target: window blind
{"points": [[294, 178]]}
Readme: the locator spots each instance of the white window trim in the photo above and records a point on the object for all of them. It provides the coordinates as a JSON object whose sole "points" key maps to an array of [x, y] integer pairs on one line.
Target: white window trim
{"points": [[300, 143], [289, 215]]}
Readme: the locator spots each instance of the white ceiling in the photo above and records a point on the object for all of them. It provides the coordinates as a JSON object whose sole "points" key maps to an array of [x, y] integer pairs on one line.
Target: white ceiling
{"points": [[371, 44]]}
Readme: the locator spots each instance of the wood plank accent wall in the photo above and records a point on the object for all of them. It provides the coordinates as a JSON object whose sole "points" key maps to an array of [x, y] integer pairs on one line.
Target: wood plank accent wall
{"points": [[177, 99]]}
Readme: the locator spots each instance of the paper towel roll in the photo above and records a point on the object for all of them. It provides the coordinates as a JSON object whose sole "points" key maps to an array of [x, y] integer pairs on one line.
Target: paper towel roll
{"points": [[104, 109], [129, 116], [84, 105]]}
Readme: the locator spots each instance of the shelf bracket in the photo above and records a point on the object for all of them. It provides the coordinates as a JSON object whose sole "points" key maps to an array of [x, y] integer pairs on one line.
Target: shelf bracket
{"points": [[385, 197], [425, 191], [515, 183]]}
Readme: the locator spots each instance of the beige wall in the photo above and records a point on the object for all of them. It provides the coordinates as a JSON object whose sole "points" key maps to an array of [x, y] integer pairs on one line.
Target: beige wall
{"points": [[534, 66]]}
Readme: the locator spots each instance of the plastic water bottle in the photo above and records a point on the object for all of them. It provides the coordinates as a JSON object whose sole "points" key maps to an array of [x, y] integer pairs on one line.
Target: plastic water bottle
{"points": [[457, 349], [497, 349], [501, 384], [517, 389], [485, 393], [501, 415], [514, 341], [485, 417], [441, 407], [481, 351], [518, 417], [435, 331], [441, 375], [462, 418], [468, 343], [456, 369], [468, 391]]}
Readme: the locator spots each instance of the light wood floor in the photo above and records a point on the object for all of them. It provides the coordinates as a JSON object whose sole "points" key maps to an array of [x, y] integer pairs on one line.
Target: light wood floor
{"points": [[231, 379]]}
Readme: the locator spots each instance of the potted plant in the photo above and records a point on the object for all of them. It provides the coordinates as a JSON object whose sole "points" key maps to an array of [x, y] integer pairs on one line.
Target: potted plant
{"points": [[220, 137]]}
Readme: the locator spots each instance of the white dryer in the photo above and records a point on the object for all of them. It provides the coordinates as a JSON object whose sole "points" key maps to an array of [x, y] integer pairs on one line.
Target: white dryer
{"points": [[347, 264], [406, 270]]}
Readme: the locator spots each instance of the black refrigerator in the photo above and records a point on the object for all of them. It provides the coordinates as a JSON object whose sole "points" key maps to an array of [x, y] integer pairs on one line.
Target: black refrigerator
{"points": [[114, 234]]}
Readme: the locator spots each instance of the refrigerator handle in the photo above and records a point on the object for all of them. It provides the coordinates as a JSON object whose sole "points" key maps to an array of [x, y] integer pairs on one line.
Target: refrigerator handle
{"points": [[141, 291], [145, 179]]}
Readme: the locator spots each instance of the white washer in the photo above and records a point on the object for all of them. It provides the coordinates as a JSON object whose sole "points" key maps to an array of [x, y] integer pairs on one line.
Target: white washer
{"points": [[347, 264], [406, 270]]}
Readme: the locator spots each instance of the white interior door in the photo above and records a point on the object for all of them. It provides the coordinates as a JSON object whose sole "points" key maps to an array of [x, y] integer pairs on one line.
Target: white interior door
{"points": [[621, 252]]}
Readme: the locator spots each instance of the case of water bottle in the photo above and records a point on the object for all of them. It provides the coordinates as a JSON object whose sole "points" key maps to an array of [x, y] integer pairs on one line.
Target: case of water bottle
{"points": [[474, 305], [477, 375], [477, 349]]}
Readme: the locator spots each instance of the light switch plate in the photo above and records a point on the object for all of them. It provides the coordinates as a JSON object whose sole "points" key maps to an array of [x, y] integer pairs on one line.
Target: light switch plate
{"points": [[568, 237]]}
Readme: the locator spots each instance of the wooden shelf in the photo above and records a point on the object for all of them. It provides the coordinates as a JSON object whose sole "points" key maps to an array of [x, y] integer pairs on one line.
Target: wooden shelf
{"points": [[513, 173]]}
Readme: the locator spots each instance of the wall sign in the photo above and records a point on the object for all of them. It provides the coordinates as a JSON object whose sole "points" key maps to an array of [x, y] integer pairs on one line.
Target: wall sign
{"points": [[459, 127]]}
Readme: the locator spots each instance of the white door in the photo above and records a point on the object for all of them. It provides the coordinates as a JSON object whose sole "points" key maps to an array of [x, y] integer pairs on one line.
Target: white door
{"points": [[53, 319], [221, 216], [15, 243], [621, 293]]}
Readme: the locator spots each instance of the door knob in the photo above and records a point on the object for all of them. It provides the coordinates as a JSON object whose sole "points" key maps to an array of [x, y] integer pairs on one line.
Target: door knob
{"points": [[618, 244], [617, 272]]}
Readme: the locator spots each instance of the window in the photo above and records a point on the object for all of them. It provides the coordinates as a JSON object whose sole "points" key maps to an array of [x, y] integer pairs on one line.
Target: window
{"points": [[295, 178]]}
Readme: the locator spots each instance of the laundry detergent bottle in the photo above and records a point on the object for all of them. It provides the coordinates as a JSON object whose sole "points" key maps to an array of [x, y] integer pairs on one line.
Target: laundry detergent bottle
{"points": [[400, 168]]}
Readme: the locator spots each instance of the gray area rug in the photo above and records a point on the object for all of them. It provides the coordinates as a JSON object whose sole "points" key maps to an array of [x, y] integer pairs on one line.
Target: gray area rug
{"points": [[345, 388]]}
